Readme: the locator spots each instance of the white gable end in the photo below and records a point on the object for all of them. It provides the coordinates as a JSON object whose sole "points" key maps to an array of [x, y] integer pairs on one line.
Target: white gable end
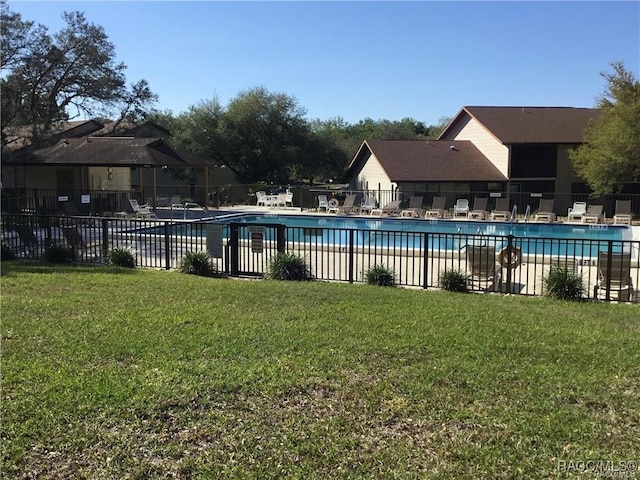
{"points": [[497, 153], [373, 176]]}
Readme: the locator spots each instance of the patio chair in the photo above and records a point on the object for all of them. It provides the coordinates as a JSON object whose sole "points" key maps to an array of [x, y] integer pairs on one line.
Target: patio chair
{"points": [[437, 209], [623, 215], [461, 208], [414, 209], [391, 208], [501, 210], [479, 210], [620, 280], [323, 202], [369, 204], [485, 270], [27, 238], [162, 200], [141, 211], [261, 198], [347, 206], [594, 214], [73, 238], [288, 199], [545, 211], [280, 200], [577, 211]]}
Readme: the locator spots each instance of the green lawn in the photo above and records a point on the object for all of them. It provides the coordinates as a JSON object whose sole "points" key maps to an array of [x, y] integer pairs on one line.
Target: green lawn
{"points": [[110, 373]]}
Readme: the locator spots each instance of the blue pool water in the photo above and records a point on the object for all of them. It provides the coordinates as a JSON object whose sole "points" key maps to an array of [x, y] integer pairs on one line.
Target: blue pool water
{"points": [[533, 230], [396, 233], [538, 238]]}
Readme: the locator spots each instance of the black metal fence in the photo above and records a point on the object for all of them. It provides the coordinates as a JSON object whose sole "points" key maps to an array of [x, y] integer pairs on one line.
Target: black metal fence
{"points": [[104, 202], [500, 263]]}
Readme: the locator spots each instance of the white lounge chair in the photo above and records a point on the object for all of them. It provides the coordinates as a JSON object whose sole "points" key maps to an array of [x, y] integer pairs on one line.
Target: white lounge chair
{"points": [[141, 211], [577, 211], [369, 204], [323, 203], [461, 208]]}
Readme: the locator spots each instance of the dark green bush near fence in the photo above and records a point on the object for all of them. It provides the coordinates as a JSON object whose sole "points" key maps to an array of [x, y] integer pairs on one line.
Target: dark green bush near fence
{"points": [[7, 253], [288, 266], [381, 276], [122, 257], [59, 253], [197, 263], [563, 283], [454, 281]]}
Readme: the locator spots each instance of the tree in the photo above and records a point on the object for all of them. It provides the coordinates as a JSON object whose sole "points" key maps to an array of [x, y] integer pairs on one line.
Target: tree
{"points": [[264, 136], [610, 154], [46, 79]]}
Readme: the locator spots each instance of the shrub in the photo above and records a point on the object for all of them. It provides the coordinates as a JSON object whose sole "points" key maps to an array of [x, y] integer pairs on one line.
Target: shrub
{"points": [[59, 253], [563, 283], [122, 257], [7, 252], [288, 266], [381, 276], [454, 281], [197, 263]]}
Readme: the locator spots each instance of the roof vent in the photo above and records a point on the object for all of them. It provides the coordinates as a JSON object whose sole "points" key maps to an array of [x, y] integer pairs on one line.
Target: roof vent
{"points": [[452, 147]]}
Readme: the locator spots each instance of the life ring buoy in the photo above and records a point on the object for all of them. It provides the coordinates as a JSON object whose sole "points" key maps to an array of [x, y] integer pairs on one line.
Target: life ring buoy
{"points": [[514, 253], [333, 203]]}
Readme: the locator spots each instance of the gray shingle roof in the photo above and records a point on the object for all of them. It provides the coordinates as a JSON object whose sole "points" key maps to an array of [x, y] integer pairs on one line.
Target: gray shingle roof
{"points": [[125, 151], [430, 161], [513, 125]]}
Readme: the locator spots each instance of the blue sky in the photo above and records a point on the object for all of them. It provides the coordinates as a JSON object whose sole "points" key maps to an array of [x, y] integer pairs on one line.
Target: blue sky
{"points": [[382, 60]]}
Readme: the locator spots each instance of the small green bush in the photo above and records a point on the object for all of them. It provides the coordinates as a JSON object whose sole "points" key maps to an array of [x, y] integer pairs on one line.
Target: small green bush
{"points": [[122, 257], [7, 252], [288, 266], [59, 253], [197, 263], [454, 281], [563, 283], [381, 276]]}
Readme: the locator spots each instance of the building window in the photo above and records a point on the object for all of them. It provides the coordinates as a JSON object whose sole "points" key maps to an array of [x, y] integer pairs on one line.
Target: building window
{"points": [[533, 161]]}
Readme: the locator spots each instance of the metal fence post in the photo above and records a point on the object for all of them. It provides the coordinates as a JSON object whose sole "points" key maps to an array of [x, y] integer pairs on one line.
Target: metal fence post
{"points": [[234, 241], [281, 238], [350, 253], [609, 258], [425, 278], [509, 260], [167, 246], [105, 237]]}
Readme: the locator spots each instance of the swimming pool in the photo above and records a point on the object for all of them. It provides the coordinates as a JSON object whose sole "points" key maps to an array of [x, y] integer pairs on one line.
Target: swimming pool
{"points": [[448, 235]]}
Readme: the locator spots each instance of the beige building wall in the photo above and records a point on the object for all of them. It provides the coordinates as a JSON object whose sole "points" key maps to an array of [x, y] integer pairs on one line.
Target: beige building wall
{"points": [[373, 177], [497, 153]]}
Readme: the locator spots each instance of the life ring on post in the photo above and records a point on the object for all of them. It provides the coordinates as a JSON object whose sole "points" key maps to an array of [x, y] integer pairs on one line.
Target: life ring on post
{"points": [[333, 203], [510, 257]]}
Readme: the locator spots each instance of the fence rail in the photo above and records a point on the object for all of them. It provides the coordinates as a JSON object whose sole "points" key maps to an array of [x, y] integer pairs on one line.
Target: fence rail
{"points": [[501, 263]]}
